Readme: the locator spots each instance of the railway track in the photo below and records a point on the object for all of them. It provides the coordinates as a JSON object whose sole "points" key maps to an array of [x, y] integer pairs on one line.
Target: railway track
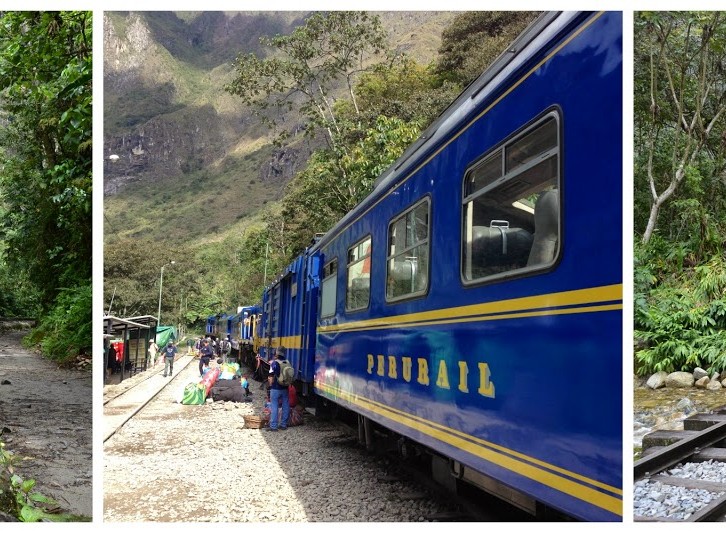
{"points": [[131, 383], [703, 442], [121, 407]]}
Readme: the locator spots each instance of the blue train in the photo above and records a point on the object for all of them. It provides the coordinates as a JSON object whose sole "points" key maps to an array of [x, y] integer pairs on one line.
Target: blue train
{"points": [[238, 327], [464, 304]]}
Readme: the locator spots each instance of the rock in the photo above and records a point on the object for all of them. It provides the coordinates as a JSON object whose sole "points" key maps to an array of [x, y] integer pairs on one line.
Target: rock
{"points": [[685, 405], [724, 383], [714, 384], [702, 382], [699, 373], [657, 380], [680, 380]]}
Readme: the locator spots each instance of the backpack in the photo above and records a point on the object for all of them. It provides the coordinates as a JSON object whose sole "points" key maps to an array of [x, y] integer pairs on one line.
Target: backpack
{"points": [[287, 373]]}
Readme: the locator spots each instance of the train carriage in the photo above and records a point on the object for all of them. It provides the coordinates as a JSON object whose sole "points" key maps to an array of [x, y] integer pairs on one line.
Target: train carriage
{"points": [[243, 333], [465, 302], [289, 314]]}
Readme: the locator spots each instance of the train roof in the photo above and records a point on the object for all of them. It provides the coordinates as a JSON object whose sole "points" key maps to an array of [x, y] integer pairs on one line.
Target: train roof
{"points": [[526, 45]]}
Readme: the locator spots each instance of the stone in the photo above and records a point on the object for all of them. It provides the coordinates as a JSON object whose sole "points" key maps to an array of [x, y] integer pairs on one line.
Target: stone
{"points": [[680, 380], [714, 384], [699, 373], [685, 405], [702, 382], [657, 380]]}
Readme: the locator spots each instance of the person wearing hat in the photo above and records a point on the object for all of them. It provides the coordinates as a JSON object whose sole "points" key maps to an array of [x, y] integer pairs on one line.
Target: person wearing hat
{"points": [[278, 393], [153, 352]]}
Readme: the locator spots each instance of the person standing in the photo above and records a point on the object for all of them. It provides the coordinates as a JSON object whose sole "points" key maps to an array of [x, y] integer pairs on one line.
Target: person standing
{"points": [[226, 349], [206, 353], [169, 354], [153, 352], [278, 392]]}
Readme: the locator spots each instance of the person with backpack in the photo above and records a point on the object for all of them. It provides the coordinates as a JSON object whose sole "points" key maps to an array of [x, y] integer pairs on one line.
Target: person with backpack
{"points": [[280, 378]]}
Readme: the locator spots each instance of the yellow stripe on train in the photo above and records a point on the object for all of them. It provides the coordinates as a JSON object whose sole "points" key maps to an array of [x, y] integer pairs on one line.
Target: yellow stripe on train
{"points": [[530, 467], [582, 300]]}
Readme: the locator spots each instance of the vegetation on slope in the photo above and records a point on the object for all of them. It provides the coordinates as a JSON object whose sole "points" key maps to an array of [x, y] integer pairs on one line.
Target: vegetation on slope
{"points": [[680, 197], [45, 183]]}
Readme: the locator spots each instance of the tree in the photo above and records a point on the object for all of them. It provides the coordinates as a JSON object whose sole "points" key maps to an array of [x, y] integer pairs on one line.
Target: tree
{"points": [[332, 185], [132, 274], [686, 99], [45, 180], [329, 50], [405, 90], [474, 39], [45, 90]]}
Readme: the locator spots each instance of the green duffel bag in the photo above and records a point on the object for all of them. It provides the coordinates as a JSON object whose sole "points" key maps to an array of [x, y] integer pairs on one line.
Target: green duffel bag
{"points": [[194, 394]]}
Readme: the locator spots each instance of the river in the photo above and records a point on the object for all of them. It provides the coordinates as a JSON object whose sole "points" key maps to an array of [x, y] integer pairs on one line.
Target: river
{"points": [[666, 408]]}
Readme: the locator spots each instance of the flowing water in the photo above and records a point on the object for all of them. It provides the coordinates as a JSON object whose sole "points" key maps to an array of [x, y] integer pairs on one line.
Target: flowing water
{"points": [[666, 408]]}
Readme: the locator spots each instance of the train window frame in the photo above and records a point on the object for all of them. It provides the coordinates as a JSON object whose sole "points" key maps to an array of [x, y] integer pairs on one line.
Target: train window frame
{"points": [[333, 275], [351, 263], [509, 176], [427, 241]]}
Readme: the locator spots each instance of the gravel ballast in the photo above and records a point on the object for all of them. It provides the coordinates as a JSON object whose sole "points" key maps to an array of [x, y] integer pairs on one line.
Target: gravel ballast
{"points": [[653, 499], [173, 462]]}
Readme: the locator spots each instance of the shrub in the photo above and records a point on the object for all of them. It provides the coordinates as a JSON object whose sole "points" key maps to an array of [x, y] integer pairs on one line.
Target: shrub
{"points": [[65, 332]]}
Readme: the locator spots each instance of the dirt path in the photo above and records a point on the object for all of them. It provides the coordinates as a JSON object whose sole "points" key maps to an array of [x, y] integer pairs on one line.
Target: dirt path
{"points": [[46, 414]]}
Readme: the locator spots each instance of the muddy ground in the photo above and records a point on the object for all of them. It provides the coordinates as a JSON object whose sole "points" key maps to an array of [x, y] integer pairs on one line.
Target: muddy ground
{"points": [[46, 415]]}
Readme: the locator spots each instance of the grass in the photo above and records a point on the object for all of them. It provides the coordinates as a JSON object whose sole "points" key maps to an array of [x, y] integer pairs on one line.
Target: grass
{"points": [[194, 205]]}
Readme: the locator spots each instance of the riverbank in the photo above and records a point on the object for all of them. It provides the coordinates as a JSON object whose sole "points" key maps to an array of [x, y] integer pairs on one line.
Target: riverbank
{"points": [[666, 408]]}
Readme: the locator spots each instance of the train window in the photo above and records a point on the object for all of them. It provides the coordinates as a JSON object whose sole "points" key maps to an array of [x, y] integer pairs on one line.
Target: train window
{"points": [[511, 213], [328, 289], [358, 292], [407, 273]]}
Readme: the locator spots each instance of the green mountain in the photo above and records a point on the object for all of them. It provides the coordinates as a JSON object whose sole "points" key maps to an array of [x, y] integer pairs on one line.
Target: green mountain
{"points": [[185, 162]]}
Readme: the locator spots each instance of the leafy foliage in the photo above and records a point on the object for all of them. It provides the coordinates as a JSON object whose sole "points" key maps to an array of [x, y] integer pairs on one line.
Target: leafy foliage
{"points": [[310, 64], [19, 498], [679, 113], [45, 145], [680, 316], [680, 273], [474, 39], [333, 183], [65, 330]]}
